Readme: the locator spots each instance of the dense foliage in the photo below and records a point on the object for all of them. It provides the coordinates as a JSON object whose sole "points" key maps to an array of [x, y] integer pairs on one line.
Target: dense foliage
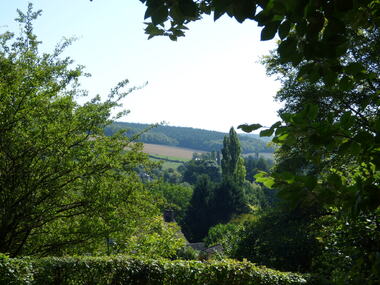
{"points": [[216, 201], [196, 167], [186, 137], [281, 239], [329, 153], [177, 197], [124, 270]]}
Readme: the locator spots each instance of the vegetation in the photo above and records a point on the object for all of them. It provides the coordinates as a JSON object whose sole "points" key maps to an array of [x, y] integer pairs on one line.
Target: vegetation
{"points": [[72, 183], [184, 154], [219, 197], [124, 270], [328, 137], [197, 139], [177, 197], [65, 187]]}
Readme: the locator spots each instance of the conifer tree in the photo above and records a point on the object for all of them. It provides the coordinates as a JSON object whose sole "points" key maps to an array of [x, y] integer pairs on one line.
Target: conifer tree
{"points": [[199, 214]]}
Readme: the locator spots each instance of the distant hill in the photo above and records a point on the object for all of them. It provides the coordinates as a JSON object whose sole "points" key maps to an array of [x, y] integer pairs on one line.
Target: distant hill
{"points": [[187, 137]]}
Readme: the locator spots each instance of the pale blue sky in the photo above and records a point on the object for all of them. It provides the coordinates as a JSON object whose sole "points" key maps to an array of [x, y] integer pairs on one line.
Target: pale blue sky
{"points": [[210, 79]]}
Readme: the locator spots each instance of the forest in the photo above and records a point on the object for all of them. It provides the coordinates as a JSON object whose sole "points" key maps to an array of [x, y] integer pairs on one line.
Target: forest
{"points": [[81, 203]]}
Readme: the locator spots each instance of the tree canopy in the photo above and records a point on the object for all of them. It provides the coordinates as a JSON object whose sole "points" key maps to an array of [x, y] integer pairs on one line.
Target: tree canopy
{"points": [[65, 187]]}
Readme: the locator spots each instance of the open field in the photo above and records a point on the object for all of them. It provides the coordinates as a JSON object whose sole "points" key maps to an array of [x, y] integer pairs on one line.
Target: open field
{"points": [[166, 164], [170, 152]]}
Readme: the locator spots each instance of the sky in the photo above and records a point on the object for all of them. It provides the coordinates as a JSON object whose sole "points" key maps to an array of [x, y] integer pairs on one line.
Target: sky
{"points": [[209, 79]]}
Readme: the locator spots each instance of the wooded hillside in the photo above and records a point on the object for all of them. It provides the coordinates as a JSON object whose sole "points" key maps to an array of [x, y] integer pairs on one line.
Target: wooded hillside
{"points": [[186, 137]]}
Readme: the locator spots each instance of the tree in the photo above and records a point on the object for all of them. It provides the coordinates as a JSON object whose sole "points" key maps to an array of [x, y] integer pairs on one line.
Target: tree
{"points": [[177, 197], [199, 217], [328, 153], [255, 164], [229, 195], [280, 239], [194, 168], [331, 132], [62, 182], [232, 163], [229, 200]]}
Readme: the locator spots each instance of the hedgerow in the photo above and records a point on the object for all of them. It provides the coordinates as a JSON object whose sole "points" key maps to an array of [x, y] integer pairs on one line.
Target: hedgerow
{"points": [[127, 270]]}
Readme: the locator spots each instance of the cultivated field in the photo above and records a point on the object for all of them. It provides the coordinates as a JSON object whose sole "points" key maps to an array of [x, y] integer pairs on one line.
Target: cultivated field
{"points": [[170, 151]]}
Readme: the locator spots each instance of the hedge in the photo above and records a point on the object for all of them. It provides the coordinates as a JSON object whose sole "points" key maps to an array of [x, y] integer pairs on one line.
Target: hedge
{"points": [[127, 270]]}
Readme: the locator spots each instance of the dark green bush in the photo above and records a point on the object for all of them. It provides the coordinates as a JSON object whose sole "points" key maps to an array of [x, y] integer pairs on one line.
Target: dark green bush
{"points": [[125, 270]]}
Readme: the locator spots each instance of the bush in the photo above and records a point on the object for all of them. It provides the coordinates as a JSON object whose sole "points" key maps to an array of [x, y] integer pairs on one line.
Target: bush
{"points": [[124, 270], [280, 239]]}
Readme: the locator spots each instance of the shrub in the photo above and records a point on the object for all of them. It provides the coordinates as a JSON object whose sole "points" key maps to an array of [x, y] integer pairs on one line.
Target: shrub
{"points": [[125, 270]]}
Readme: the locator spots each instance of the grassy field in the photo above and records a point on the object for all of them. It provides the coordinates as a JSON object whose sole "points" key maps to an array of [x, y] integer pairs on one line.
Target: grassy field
{"points": [[168, 164]]}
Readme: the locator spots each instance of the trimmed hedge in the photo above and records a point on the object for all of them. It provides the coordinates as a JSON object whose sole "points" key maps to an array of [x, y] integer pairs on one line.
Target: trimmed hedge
{"points": [[126, 270]]}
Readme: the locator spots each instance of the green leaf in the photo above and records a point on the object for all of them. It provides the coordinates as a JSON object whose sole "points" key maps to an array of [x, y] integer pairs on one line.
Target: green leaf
{"points": [[262, 18], [249, 128], [286, 117], [220, 7], [352, 148], [287, 48], [148, 13], [262, 177], [266, 133], [188, 8], [153, 31], [283, 137], [269, 31], [244, 9], [354, 68], [159, 15], [284, 29]]}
